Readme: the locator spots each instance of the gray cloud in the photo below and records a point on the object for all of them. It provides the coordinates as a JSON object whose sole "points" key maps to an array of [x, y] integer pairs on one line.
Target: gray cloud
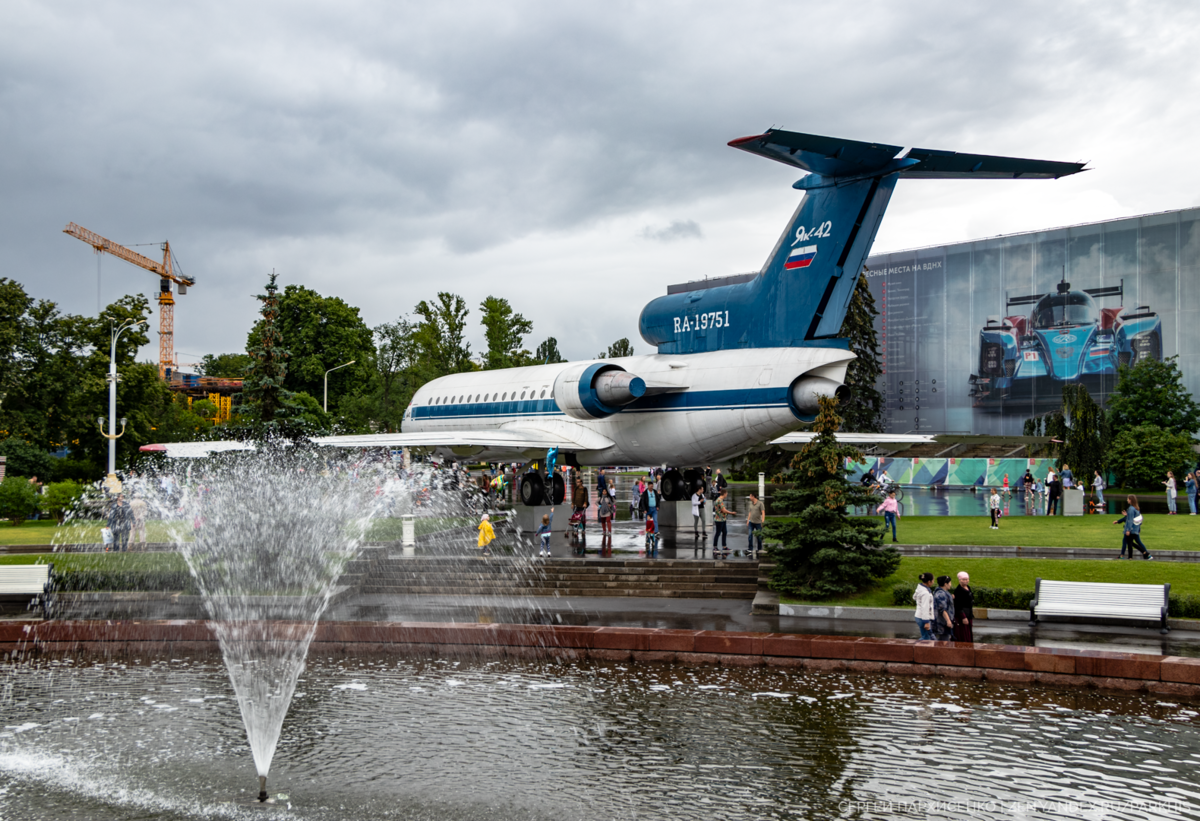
{"points": [[381, 151], [677, 230]]}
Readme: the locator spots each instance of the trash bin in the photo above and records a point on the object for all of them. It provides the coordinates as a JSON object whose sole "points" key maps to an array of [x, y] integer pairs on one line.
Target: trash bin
{"points": [[1072, 501], [408, 534]]}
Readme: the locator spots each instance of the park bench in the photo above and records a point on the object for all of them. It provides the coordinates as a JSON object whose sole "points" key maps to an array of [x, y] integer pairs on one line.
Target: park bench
{"points": [[26, 583], [1139, 602]]}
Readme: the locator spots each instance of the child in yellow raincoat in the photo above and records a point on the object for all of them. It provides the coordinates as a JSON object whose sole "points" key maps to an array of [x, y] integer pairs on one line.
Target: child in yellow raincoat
{"points": [[486, 535]]}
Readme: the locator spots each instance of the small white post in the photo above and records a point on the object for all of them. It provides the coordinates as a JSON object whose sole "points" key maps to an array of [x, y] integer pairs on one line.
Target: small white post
{"points": [[762, 485], [408, 534]]}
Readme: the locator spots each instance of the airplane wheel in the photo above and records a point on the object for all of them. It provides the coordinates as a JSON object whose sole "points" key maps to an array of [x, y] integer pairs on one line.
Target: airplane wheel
{"points": [[558, 490], [693, 481], [533, 490], [673, 486]]}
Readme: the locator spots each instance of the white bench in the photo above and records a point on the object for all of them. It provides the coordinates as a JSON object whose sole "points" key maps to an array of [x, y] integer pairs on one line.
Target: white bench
{"points": [[27, 582], [1140, 602]]}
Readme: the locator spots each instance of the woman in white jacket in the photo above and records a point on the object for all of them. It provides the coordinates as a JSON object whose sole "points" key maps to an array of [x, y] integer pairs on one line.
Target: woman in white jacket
{"points": [[923, 597]]}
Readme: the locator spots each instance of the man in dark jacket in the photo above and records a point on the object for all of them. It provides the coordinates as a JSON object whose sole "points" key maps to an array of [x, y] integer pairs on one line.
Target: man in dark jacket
{"points": [[580, 500], [1054, 488], [964, 609]]}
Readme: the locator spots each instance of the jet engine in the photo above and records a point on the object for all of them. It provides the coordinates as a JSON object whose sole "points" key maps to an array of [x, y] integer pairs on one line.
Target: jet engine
{"points": [[807, 389], [596, 390]]}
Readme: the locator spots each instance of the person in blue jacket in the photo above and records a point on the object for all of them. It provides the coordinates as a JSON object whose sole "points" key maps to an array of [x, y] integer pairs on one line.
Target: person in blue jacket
{"points": [[1133, 529]]}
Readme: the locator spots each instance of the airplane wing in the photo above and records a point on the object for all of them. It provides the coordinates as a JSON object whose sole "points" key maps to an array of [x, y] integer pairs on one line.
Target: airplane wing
{"points": [[496, 444], [195, 450], [798, 439]]}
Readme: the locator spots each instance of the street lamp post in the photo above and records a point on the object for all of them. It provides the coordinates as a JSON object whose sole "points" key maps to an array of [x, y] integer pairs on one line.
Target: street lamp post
{"points": [[325, 404], [113, 378]]}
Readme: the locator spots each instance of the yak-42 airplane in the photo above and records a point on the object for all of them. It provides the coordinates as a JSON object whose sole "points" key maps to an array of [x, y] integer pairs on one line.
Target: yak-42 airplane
{"points": [[741, 360]]}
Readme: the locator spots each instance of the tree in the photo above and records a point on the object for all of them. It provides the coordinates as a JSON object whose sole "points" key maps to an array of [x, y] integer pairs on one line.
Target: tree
{"points": [[621, 347], [1141, 455], [1152, 393], [225, 365], [547, 352], [863, 411], [440, 335], [1086, 432], [18, 499], [24, 459], [263, 387], [505, 332], [396, 353], [826, 552], [322, 333]]}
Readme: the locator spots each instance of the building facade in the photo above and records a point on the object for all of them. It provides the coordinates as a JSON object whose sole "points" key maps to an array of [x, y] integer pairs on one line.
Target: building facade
{"points": [[979, 336]]}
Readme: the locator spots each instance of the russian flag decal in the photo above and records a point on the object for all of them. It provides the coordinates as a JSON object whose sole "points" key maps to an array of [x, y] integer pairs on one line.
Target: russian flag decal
{"points": [[800, 257]]}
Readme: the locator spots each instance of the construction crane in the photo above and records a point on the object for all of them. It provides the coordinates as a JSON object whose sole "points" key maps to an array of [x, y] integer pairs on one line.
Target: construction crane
{"points": [[166, 273]]}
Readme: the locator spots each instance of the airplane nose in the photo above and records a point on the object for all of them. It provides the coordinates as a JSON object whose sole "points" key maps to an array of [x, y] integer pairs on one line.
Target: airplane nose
{"points": [[618, 388], [807, 389]]}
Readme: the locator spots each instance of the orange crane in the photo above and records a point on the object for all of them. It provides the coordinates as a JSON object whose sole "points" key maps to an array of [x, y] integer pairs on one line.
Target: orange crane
{"points": [[167, 275]]}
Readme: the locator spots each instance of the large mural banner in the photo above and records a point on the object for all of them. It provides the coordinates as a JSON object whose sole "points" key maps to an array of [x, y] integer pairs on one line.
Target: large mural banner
{"points": [[979, 336], [952, 472]]}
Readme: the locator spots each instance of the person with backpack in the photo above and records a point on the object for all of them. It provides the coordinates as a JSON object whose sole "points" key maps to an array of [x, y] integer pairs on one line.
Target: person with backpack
{"points": [[1098, 487], [1133, 529], [604, 510]]}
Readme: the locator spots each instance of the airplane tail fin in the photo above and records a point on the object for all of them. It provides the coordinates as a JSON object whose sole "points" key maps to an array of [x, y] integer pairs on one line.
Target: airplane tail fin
{"points": [[802, 293]]}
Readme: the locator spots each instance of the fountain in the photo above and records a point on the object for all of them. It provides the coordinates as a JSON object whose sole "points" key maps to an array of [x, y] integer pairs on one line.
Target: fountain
{"points": [[266, 536]]}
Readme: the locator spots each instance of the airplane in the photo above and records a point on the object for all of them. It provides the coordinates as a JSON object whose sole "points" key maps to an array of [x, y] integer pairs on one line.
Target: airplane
{"points": [[740, 360]]}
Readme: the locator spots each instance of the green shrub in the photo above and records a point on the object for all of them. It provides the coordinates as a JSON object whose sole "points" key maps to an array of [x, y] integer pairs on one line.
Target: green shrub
{"points": [[94, 580], [999, 598], [60, 497], [18, 499]]}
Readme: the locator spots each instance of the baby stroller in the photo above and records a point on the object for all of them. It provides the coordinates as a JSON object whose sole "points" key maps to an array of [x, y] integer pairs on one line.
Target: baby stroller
{"points": [[576, 522], [651, 540]]}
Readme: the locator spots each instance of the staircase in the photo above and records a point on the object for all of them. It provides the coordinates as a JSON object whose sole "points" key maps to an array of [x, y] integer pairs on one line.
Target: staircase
{"points": [[508, 576]]}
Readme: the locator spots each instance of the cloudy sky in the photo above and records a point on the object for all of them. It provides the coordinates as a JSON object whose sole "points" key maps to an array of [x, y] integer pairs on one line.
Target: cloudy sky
{"points": [[570, 157]]}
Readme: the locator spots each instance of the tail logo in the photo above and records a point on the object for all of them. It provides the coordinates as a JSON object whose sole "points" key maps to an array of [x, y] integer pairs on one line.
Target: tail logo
{"points": [[801, 257]]}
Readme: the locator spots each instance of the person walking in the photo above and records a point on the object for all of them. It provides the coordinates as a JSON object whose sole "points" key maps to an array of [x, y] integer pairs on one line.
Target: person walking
{"points": [[651, 539], [994, 507], [1098, 489], [635, 505], [755, 512], [698, 528], [720, 525], [923, 597], [580, 501], [543, 533], [943, 610], [720, 482], [1006, 490], [486, 535], [1189, 483], [1171, 493], [890, 509], [120, 521], [964, 609], [1133, 529]]}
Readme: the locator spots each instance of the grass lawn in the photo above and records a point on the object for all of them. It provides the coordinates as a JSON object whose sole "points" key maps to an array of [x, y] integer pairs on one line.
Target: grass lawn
{"points": [[1020, 574], [1159, 531], [141, 562]]}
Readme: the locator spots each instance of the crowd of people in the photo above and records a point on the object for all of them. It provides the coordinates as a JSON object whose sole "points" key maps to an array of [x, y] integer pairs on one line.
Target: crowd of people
{"points": [[944, 614]]}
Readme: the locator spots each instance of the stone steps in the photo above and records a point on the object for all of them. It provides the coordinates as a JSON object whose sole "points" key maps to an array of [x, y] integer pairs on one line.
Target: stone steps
{"points": [[518, 576]]}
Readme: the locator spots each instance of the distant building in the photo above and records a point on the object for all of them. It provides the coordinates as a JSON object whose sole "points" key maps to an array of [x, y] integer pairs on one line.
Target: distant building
{"points": [[979, 336]]}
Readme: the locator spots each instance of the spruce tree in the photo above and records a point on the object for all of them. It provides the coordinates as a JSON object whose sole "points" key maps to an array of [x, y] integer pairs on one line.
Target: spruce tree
{"points": [[863, 411], [263, 386], [825, 552]]}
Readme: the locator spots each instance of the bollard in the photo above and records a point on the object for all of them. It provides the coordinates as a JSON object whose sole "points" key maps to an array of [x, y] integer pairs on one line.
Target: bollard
{"points": [[762, 485], [408, 534]]}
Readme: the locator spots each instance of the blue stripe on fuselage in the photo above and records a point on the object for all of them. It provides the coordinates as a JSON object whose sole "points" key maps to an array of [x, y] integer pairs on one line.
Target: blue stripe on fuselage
{"points": [[662, 403]]}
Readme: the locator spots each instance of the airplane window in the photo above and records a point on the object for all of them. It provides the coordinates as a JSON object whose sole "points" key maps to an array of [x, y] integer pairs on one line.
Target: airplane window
{"points": [[522, 394], [543, 396], [476, 397], [503, 396]]}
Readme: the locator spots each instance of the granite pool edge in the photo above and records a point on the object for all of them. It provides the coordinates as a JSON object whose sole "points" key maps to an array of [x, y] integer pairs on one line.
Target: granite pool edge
{"points": [[1172, 676]]}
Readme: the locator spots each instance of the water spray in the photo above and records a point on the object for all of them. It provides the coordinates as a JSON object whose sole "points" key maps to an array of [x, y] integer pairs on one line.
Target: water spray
{"points": [[262, 789]]}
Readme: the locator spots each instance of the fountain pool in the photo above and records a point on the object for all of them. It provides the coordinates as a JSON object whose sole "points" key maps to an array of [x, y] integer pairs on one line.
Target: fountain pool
{"points": [[396, 737]]}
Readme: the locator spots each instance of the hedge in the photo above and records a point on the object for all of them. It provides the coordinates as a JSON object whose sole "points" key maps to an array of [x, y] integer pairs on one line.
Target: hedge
{"points": [[104, 579], [1005, 598]]}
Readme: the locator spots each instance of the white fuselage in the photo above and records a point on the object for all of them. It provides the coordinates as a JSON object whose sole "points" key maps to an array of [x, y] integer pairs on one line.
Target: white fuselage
{"points": [[698, 408]]}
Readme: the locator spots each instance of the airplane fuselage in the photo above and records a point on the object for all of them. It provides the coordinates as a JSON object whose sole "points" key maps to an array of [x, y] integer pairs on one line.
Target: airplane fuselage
{"points": [[697, 408]]}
